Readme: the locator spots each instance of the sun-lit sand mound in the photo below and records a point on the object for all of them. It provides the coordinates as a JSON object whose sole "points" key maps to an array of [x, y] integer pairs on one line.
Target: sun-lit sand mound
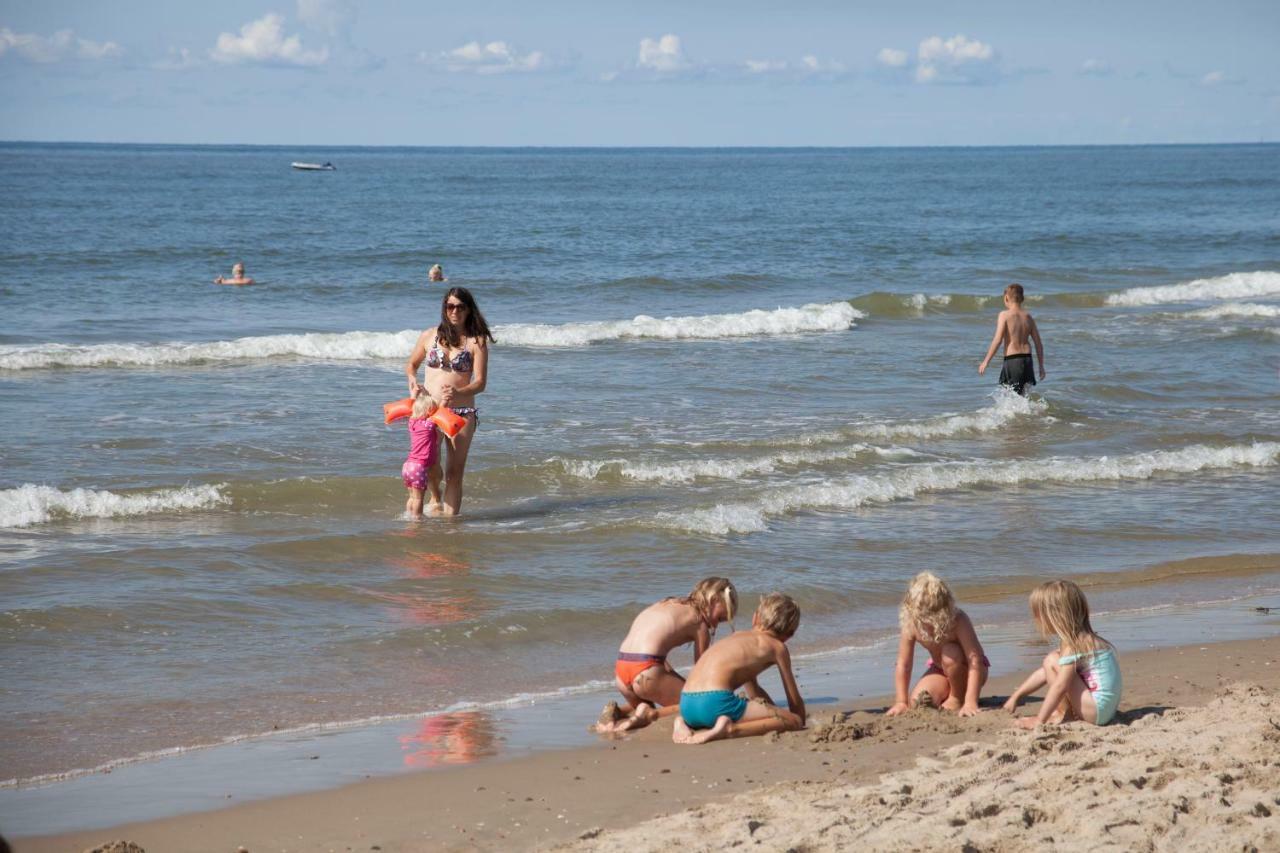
{"points": [[1204, 778]]}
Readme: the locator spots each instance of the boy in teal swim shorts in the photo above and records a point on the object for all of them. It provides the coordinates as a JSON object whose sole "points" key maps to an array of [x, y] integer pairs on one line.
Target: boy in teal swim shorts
{"points": [[710, 710]]}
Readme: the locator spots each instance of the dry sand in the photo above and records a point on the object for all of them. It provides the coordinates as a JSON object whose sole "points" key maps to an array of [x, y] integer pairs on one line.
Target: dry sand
{"points": [[1193, 764]]}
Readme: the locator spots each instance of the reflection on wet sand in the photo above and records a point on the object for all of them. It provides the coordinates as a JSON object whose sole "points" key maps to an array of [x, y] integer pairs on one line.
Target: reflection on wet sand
{"points": [[457, 738]]}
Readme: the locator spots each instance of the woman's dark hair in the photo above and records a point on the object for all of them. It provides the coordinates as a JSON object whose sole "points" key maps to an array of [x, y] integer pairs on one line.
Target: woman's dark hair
{"points": [[475, 326]]}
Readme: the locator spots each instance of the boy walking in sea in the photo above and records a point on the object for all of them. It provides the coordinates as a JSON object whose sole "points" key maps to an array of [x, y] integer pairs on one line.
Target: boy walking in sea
{"points": [[1015, 328], [710, 710]]}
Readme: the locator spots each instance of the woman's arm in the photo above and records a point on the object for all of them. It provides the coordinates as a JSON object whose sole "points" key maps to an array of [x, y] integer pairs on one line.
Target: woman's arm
{"points": [[968, 639], [415, 359], [902, 672]]}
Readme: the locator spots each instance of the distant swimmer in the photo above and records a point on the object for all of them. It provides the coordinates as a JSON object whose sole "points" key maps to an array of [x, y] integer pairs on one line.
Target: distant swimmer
{"points": [[1015, 328], [436, 274], [237, 276]]}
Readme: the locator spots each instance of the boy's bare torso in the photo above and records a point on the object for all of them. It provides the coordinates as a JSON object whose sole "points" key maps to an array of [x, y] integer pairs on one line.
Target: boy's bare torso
{"points": [[1017, 331], [734, 661]]}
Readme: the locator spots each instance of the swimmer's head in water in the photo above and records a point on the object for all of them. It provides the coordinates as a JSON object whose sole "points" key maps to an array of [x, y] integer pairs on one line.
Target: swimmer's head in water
{"points": [[436, 273], [1060, 609], [778, 615], [238, 270], [1014, 293], [715, 597], [928, 609]]}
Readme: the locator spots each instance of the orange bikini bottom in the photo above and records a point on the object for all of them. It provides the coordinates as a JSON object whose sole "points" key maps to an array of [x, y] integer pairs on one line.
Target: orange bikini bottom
{"points": [[630, 665]]}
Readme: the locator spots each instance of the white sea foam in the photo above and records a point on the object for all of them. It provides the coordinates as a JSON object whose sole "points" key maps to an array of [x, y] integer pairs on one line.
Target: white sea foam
{"points": [[729, 469], [1236, 285], [31, 504], [828, 317], [1235, 309], [357, 346], [857, 491], [1007, 408]]}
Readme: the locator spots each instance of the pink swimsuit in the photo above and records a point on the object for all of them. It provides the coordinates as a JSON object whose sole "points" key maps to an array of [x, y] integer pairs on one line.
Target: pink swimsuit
{"points": [[424, 449]]}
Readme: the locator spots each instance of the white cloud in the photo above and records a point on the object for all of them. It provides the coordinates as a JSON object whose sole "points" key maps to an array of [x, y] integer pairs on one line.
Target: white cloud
{"points": [[1096, 68], [64, 44], [765, 66], [891, 58], [262, 42], [954, 60], [663, 54], [806, 66], [331, 17], [495, 57]]}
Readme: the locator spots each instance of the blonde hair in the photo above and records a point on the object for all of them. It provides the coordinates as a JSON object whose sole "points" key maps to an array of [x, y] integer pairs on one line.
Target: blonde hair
{"points": [[424, 405], [779, 615], [928, 609], [1060, 609], [1015, 293], [707, 592]]}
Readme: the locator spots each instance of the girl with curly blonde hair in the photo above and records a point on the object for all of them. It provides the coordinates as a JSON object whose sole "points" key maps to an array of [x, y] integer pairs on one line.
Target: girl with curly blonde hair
{"points": [[957, 667]]}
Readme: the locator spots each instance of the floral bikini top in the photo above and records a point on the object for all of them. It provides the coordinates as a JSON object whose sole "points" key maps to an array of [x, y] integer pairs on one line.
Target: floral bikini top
{"points": [[438, 358]]}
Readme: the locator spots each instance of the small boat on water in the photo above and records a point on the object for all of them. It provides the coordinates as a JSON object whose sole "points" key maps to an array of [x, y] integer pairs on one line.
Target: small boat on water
{"points": [[315, 167]]}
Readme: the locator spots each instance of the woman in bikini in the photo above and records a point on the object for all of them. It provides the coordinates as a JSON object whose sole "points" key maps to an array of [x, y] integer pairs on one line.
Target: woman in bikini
{"points": [[457, 357]]}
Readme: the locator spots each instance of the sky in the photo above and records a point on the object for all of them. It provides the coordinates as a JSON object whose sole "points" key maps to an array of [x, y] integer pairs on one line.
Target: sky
{"points": [[654, 73]]}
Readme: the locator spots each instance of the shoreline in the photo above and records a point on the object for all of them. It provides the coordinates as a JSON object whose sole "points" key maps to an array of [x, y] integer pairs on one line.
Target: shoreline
{"points": [[556, 796]]}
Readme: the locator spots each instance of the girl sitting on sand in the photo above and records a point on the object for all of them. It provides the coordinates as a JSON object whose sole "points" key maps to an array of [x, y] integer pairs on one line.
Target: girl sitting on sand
{"points": [[1083, 675], [642, 673], [957, 668], [423, 451]]}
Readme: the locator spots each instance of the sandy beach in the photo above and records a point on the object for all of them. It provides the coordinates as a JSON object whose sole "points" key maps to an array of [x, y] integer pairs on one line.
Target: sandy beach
{"points": [[1194, 763]]}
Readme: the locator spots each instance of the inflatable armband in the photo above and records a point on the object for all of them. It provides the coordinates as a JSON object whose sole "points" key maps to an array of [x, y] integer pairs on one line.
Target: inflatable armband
{"points": [[449, 422]]}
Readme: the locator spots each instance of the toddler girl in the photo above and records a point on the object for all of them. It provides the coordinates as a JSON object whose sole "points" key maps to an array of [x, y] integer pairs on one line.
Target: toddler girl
{"points": [[642, 673], [1083, 675], [423, 452], [957, 668]]}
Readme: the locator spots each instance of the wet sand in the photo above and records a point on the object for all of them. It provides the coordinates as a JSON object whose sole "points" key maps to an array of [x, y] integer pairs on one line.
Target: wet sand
{"points": [[1182, 705]]}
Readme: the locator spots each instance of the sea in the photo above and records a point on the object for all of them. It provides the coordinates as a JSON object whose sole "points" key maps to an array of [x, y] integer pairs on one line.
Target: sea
{"points": [[753, 363]]}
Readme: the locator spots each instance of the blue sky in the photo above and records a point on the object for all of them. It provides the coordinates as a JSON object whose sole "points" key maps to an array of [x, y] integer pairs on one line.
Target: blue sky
{"points": [[806, 72]]}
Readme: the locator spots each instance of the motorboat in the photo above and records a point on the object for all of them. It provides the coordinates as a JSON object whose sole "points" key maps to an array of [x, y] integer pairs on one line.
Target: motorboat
{"points": [[315, 167]]}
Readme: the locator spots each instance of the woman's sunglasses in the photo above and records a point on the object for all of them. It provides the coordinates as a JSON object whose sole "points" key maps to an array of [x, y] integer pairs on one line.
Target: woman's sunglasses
{"points": [[455, 306]]}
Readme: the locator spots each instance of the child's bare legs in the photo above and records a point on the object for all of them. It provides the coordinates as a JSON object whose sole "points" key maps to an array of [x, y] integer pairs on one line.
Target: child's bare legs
{"points": [[1078, 702], [657, 685], [435, 476], [413, 505], [760, 718]]}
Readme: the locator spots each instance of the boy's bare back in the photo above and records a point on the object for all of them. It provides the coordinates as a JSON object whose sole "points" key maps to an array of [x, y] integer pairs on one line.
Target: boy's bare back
{"points": [[1018, 327], [734, 661]]}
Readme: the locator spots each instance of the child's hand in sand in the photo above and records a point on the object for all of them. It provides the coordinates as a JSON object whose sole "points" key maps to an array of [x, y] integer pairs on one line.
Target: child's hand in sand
{"points": [[968, 711], [1028, 723], [1011, 704], [899, 708]]}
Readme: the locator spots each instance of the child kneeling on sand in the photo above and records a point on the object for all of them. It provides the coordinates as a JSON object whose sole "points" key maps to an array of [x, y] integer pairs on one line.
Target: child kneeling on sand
{"points": [[710, 710], [642, 673], [1083, 675], [957, 668]]}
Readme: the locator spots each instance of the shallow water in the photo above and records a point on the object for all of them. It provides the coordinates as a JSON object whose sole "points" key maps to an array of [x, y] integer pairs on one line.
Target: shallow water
{"points": [[759, 364]]}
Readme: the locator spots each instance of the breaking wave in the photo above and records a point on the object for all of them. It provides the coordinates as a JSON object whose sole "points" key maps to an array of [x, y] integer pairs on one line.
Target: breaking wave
{"points": [[858, 491], [1235, 309], [1236, 285], [357, 346], [31, 504]]}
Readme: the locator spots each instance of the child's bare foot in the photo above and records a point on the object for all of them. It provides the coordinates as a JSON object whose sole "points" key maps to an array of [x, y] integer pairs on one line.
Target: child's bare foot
{"points": [[435, 508], [683, 734], [952, 704], [643, 715]]}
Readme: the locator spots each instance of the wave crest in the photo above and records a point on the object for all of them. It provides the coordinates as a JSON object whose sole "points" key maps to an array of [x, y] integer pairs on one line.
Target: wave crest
{"points": [[30, 504], [858, 491], [1236, 285]]}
